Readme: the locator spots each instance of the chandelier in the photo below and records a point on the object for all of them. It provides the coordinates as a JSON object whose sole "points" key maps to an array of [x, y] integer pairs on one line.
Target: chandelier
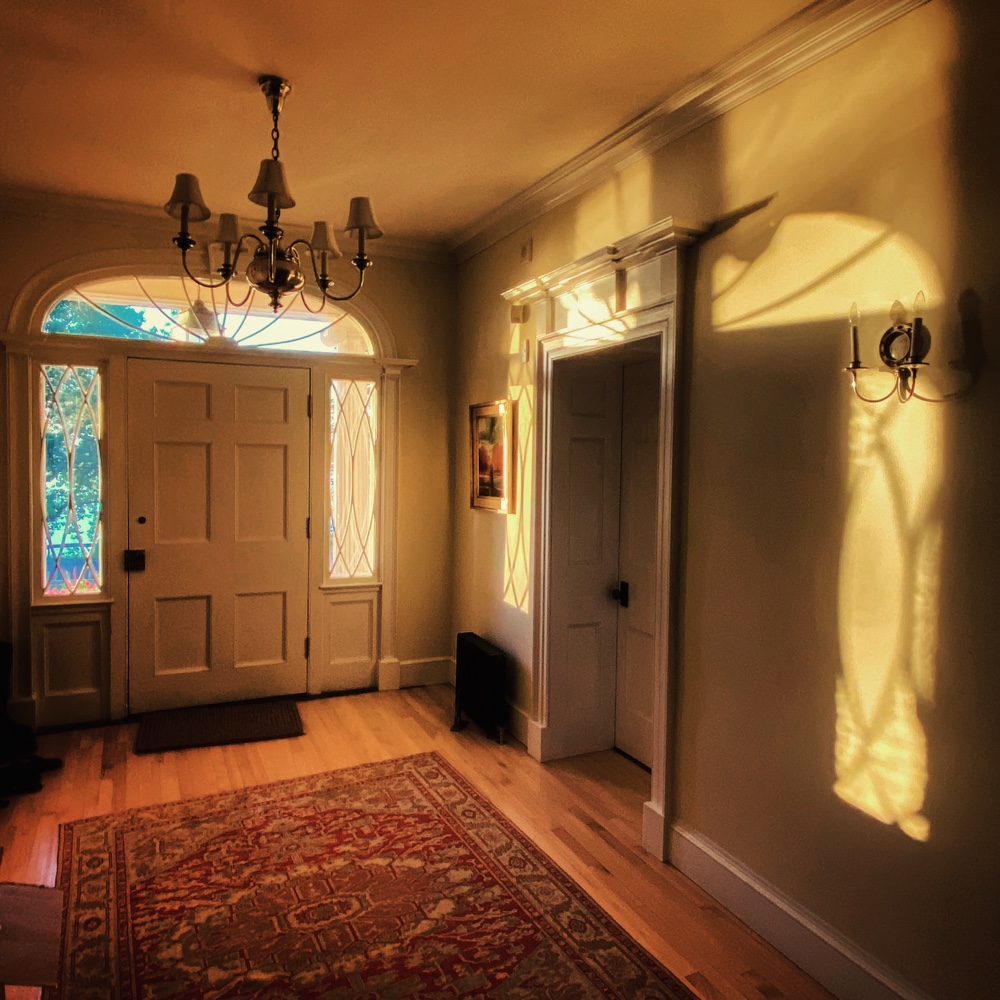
{"points": [[274, 269]]}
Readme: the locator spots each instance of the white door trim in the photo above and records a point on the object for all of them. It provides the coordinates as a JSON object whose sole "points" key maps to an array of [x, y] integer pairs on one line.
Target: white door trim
{"points": [[633, 287], [656, 319]]}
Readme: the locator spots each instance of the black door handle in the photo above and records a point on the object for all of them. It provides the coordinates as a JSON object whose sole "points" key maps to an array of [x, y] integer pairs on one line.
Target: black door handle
{"points": [[620, 593], [134, 560]]}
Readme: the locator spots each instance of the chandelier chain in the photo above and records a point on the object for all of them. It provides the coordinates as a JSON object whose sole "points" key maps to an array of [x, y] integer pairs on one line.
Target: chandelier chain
{"points": [[275, 135]]}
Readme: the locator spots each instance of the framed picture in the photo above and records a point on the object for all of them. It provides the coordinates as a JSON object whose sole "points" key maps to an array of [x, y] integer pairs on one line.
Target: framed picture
{"points": [[491, 429]]}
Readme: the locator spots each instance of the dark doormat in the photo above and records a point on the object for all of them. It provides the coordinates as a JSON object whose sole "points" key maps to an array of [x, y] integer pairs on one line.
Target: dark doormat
{"points": [[214, 725]]}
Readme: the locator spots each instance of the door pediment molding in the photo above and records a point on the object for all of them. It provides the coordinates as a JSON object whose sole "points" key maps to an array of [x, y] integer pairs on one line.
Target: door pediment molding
{"points": [[624, 254]]}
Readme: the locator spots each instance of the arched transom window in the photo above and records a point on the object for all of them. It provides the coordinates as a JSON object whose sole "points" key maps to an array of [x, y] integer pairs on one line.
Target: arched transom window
{"points": [[175, 310]]}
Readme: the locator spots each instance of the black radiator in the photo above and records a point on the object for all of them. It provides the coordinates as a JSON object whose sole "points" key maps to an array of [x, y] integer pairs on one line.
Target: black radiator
{"points": [[480, 669]]}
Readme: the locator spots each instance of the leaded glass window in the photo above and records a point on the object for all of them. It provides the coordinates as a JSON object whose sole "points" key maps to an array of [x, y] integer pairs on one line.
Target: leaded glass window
{"points": [[72, 480], [175, 310], [353, 440]]}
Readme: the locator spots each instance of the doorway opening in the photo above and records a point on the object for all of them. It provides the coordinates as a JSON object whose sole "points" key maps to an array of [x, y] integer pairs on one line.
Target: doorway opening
{"points": [[604, 452]]}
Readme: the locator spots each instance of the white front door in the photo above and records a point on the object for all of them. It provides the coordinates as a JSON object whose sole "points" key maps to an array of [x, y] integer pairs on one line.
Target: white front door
{"points": [[218, 500], [584, 484], [637, 558]]}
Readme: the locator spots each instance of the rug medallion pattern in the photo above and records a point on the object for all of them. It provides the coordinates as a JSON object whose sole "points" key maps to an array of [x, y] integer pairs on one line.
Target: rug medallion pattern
{"points": [[388, 880]]}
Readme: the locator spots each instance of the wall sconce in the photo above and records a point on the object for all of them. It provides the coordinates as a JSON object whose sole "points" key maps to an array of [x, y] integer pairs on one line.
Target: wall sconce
{"points": [[902, 349]]}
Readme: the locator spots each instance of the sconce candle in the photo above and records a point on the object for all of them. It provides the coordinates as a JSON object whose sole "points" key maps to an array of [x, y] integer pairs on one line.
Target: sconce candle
{"points": [[854, 318], [916, 336]]}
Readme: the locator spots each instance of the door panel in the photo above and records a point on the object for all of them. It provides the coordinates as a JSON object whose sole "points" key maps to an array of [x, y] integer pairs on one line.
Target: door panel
{"points": [[585, 469], [218, 459], [637, 563]]}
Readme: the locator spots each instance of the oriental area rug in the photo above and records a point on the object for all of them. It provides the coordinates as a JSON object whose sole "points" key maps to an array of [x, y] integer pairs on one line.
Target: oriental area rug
{"points": [[387, 880]]}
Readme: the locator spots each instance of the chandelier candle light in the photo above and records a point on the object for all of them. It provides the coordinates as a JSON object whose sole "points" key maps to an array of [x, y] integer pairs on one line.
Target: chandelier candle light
{"points": [[273, 269], [902, 349]]}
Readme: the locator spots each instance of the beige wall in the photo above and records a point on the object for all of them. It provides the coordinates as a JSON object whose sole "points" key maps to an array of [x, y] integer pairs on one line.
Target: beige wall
{"points": [[827, 546], [416, 301]]}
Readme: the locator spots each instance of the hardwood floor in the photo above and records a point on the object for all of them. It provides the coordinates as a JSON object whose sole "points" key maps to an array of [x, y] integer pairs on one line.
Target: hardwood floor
{"points": [[584, 812]]}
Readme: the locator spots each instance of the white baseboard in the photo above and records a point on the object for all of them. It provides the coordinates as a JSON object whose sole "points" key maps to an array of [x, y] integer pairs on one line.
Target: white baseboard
{"points": [[654, 830], [519, 723], [389, 674], [536, 736], [830, 958], [429, 670]]}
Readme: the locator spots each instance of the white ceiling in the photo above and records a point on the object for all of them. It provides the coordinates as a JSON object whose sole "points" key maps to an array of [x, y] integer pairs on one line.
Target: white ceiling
{"points": [[439, 111]]}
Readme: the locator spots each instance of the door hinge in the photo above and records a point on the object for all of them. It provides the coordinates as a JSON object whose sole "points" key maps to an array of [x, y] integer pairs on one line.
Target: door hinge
{"points": [[307, 647], [309, 405], [308, 527]]}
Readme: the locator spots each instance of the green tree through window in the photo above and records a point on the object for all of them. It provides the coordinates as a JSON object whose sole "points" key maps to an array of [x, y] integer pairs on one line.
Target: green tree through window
{"points": [[72, 479]]}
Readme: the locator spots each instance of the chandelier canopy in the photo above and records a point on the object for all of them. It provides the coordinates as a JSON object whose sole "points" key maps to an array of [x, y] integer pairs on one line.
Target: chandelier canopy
{"points": [[274, 268]]}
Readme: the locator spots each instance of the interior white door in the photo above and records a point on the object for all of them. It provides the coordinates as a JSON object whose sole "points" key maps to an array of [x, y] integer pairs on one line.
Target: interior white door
{"points": [[584, 499], [218, 466], [637, 558]]}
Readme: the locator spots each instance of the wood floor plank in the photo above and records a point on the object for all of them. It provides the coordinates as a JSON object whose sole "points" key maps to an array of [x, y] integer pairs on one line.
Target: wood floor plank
{"points": [[584, 812]]}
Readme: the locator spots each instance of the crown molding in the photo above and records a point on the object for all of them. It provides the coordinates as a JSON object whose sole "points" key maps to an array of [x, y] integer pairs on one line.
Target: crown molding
{"points": [[806, 38], [629, 251], [37, 203]]}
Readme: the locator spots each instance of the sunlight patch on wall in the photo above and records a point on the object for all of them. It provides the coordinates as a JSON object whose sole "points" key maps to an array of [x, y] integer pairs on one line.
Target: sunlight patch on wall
{"points": [[888, 610], [590, 311], [814, 267], [517, 547], [622, 204]]}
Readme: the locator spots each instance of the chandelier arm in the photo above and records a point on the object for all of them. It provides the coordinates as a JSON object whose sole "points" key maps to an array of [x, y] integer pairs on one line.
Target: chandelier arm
{"points": [[239, 245], [198, 281], [309, 308], [242, 302], [350, 295]]}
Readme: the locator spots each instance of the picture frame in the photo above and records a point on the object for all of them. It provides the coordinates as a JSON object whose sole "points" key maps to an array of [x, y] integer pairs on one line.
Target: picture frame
{"points": [[493, 447]]}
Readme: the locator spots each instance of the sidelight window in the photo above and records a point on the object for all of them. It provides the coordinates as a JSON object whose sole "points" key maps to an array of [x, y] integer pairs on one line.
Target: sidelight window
{"points": [[353, 481], [72, 480]]}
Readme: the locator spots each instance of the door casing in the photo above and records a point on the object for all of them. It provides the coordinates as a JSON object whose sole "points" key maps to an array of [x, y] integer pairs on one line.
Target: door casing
{"points": [[546, 742]]}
